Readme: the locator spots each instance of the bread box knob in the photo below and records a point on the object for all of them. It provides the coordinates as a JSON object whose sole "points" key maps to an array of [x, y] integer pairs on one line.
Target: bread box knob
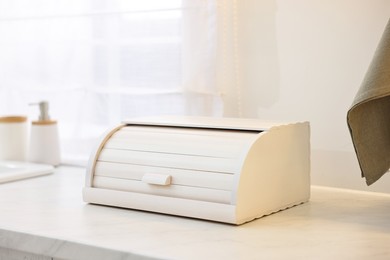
{"points": [[157, 179]]}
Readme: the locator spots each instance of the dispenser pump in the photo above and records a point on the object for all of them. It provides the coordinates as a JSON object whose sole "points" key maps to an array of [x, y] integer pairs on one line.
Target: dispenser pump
{"points": [[44, 110]]}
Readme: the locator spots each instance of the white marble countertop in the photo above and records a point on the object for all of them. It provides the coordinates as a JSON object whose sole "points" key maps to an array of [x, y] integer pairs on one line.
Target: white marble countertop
{"points": [[46, 216]]}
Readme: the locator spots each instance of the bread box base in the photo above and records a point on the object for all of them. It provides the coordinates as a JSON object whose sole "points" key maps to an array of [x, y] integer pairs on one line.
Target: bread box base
{"points": [[226, 170]]}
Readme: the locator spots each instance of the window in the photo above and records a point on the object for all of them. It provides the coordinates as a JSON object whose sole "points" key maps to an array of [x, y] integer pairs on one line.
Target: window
{"points": [[100, 61]]}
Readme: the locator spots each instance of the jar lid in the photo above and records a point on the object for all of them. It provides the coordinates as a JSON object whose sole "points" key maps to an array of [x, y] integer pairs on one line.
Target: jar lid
{"points": [[13, 119]]}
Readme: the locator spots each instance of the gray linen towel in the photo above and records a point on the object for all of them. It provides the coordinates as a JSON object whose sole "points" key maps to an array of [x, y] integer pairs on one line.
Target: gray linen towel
{"points": [[369, 116]]}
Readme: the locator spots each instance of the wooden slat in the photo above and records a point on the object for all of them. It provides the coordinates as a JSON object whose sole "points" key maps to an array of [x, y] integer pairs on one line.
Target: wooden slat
{"points": [[203, 179], [177, 161], [185, 192], [180, 145], [190, 131]]}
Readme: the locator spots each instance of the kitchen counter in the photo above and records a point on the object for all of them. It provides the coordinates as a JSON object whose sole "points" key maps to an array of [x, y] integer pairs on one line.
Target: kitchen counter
{"points": [[45, 218]]}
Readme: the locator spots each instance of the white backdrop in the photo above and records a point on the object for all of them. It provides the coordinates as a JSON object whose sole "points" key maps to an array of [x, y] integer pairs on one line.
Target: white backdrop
{"points": [[305, 60]]}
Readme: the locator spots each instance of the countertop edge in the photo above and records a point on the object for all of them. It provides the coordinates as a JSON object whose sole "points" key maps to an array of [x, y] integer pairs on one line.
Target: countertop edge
{"points": [[60, 248]]}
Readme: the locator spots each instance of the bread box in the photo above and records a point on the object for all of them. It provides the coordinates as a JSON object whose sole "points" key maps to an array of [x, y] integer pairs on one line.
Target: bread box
{"points": [[220, 169]]}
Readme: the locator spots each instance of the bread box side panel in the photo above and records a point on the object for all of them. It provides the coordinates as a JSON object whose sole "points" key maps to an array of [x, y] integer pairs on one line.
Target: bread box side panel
{"points": [[276, 172]]}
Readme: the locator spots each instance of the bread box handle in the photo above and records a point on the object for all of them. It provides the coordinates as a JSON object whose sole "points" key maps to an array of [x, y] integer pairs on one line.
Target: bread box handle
{"points": [[157, 179]]}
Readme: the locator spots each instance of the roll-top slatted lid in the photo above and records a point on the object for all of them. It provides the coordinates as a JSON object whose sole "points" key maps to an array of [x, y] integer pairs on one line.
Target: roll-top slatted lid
{"points": [[215, 150], [207, 122]]}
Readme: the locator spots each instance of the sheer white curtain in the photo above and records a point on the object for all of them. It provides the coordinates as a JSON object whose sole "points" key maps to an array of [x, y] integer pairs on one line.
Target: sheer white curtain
{"points": [[100, 61]]}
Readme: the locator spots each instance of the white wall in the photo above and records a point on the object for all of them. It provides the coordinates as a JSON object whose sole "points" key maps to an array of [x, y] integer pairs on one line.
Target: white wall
{"points": [[305, 60]]}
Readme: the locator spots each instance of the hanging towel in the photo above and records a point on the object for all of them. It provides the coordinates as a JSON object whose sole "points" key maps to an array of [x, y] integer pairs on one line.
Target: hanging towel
{"points": [[369, 116]]}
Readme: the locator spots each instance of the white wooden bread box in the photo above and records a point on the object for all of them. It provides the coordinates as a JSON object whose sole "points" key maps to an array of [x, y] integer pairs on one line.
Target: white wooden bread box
{"points": [[227, 170]]}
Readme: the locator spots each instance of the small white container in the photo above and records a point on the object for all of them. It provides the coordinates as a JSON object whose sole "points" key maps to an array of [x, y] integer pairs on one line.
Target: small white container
{"points": [[44, 139], [13, 138]]}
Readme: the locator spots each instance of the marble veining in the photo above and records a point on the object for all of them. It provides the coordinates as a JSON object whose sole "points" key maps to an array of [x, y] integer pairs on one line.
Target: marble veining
{"points": [[46, 216]]}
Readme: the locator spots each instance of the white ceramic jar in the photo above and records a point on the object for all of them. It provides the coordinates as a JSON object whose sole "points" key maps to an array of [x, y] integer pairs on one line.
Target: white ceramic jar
{"points": [[13, 138]]}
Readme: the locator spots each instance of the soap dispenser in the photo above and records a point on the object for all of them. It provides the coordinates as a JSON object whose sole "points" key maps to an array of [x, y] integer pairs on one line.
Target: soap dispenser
{"points": [[44, 141]]}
